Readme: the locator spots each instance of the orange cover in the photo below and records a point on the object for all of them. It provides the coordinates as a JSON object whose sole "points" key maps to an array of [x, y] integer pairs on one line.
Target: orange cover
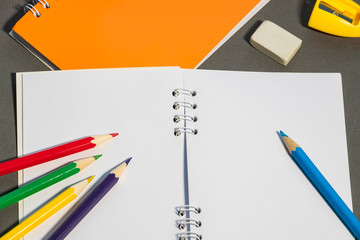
{"points": [[84, 34]]}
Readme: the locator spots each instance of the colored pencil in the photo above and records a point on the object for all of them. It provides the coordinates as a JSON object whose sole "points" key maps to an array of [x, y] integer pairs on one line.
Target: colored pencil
{"points": [[89, 203], [323, 186], [46, 211], [45, 181], [53, 153]]}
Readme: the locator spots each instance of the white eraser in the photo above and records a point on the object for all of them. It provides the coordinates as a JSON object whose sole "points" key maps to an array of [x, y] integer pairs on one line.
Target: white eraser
{"points": [[275, 42]]}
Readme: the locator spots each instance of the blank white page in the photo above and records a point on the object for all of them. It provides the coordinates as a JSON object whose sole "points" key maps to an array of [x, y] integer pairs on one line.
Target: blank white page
{"points": [[62, 106], [241, 175]]}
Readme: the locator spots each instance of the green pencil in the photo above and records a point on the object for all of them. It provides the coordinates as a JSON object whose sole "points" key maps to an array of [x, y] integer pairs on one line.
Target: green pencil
{"points": [[49, 179]]}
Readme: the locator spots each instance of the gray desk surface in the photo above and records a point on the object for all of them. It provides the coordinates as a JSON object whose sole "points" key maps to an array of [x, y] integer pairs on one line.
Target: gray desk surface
{"points": [[318, 53]]}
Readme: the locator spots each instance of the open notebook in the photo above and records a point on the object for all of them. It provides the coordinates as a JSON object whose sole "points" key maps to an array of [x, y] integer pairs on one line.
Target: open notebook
{"points": [[235, 168], [88, 34]]}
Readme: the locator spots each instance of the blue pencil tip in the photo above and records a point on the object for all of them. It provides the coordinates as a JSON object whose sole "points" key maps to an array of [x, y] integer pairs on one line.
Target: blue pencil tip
{"points": [[127, 161], [283, 134]]}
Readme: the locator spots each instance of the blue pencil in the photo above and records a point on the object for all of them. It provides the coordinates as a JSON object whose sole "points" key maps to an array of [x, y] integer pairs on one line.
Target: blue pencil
{"points": [[323, 186]]}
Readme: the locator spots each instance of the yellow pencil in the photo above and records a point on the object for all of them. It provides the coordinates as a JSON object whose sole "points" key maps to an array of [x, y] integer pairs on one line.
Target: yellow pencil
{"points": [[46, 211]]}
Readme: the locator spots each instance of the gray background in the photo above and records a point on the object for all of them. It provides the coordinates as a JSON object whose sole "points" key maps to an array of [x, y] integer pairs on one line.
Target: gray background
{"points": [[319, 53]]}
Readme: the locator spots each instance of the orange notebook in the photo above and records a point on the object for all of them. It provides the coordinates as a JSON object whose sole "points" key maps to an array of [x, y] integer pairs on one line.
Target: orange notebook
{"points": [[85, 34]]}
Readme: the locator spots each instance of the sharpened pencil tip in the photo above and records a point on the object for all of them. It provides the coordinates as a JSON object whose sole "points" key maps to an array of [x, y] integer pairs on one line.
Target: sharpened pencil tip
{"points": [[97, 156], [114, 134], [283, 134], [90, 178], [127, 161]]}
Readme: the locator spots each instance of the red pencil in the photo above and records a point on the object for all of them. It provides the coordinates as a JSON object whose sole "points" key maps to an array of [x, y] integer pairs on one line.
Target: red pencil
{"points": [[53, 153]]}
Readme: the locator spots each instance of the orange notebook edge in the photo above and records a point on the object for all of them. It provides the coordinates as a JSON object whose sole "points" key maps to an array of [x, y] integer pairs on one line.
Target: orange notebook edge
{"points": [[33, 50], [42, 56], [243, 21]]}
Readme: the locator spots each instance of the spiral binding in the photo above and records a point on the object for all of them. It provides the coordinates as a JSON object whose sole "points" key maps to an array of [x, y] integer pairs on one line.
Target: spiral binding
{"points": [[188, 235], [179, 130], [180, 104], [31, 7], [181, 210], [179, 91], [44, 3], [184, 211], [187, 222], [184, 117]]}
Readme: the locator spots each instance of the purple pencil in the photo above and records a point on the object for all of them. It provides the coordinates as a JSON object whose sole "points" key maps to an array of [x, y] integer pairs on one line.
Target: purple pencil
{"points": [[89, 203]]}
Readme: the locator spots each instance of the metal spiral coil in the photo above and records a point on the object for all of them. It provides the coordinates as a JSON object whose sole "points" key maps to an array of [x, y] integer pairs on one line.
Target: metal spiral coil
{"points": [[44, 3], [178, 131], [180, 104], [31, 8], [181, 210], [182, 117], [188, 235], [187, 222], [182, 223], [183, 91]]}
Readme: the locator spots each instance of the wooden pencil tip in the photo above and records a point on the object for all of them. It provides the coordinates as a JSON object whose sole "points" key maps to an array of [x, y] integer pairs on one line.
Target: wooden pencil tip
{"points": [[100, 139], [283, 134], [97, 156], [114, 134], [90, 178], [120, 168], [84, 162], [127, 161], [81, 185], [290, 144]]}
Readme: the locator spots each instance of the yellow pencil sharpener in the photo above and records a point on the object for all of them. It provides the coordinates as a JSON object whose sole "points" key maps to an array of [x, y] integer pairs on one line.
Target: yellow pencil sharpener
{"points": [[336, 17]]}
